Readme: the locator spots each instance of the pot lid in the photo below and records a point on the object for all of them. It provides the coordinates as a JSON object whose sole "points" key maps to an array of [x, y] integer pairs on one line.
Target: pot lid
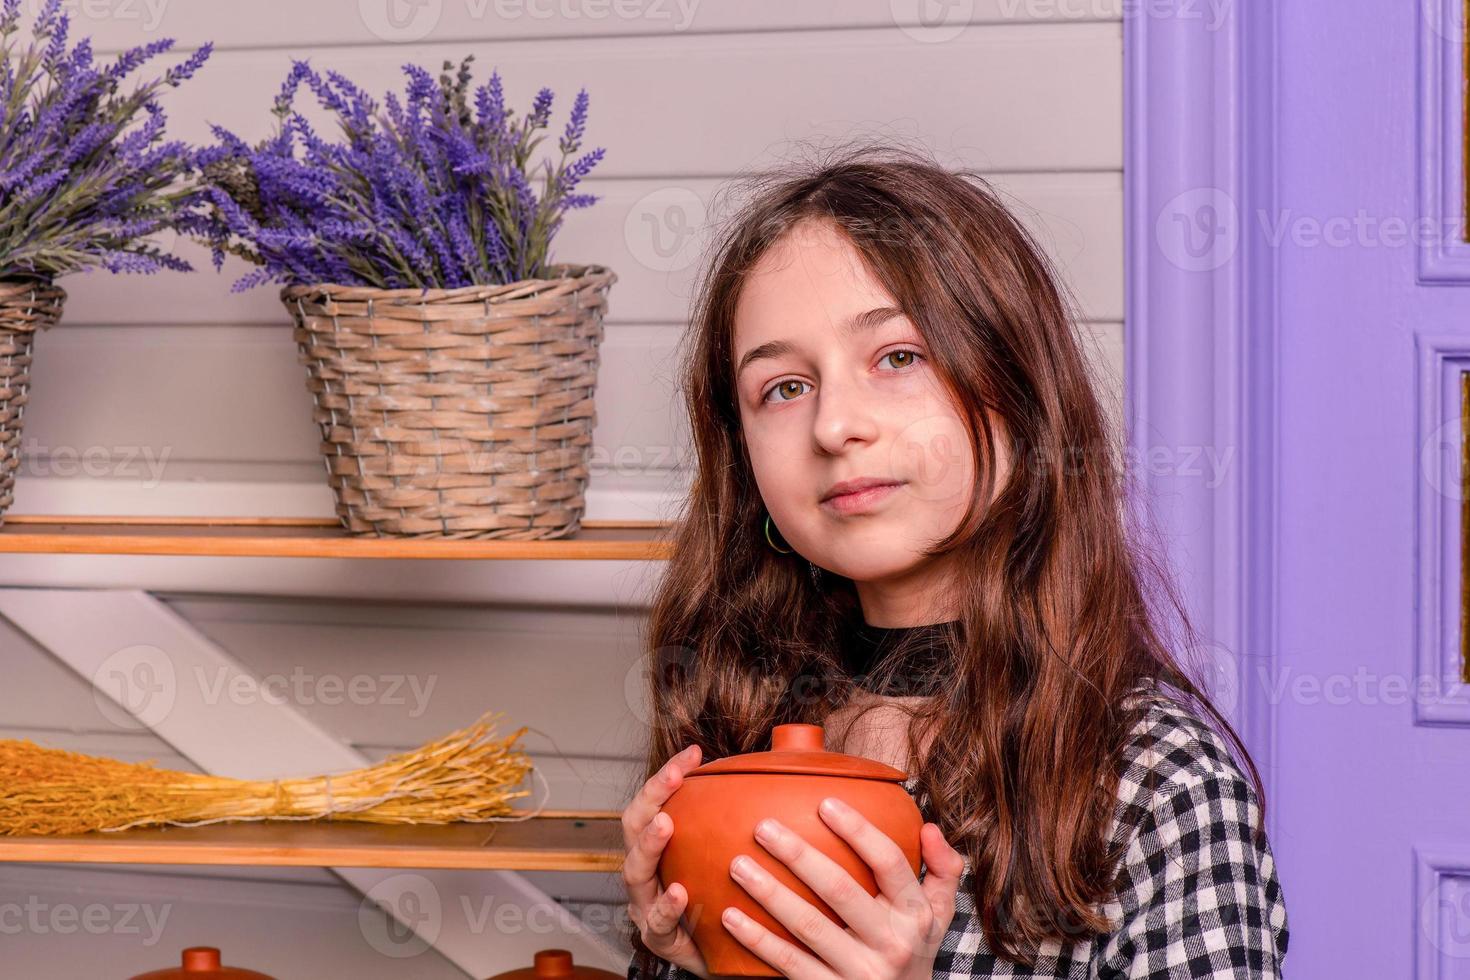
{"points": [[798, 748], [202, 962], [556, 964]]}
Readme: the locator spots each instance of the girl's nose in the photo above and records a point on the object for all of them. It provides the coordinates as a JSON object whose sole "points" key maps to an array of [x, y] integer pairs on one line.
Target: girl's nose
{"points": [[845, 412]]}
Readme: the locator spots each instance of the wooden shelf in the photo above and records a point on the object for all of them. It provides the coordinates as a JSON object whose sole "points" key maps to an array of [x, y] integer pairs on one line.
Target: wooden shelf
{"points": [[588, 840], [308, 537]]}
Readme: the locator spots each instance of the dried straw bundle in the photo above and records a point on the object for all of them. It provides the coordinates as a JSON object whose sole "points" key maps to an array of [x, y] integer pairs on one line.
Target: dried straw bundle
{"points": [[464, 776]]}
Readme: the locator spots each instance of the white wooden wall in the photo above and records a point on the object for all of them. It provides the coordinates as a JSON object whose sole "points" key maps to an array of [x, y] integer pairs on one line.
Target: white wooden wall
{"points": [[168, 394]]}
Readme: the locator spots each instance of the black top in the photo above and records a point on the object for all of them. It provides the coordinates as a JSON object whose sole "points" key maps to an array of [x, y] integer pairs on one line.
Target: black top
{"points": [[918, 656]]}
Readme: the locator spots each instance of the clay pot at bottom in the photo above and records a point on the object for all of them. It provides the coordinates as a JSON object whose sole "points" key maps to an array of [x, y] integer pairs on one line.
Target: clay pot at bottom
{"points": [[715, 811], [556, 964], [202, 963]]}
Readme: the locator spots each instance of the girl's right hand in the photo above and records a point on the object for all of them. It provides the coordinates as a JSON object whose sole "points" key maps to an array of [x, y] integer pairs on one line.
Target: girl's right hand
{"points": [[646, 829]]}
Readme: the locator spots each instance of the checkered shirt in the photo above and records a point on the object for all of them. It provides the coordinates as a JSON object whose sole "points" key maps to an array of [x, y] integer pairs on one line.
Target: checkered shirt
{"points": [[1196, 896]]}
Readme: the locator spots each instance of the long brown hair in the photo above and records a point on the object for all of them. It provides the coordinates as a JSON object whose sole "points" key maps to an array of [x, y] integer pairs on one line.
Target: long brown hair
{"points": [[1063, 610]]}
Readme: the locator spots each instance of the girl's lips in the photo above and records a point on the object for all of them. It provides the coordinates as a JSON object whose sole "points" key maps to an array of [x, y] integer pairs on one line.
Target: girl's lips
{"points": [[860, 500]]}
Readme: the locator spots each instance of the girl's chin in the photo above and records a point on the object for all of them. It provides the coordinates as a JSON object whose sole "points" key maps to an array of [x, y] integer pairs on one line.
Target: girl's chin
{"points": [[873, 568]]}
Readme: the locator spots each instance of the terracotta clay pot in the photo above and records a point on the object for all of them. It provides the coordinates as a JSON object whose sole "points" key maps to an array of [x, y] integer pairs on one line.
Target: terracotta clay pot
{"points": [[202, 963], [556, 964], [715, 811]]}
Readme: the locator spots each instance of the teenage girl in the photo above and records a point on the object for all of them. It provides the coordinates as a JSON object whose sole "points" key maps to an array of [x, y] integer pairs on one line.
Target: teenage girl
{"points": [[908, 524]]}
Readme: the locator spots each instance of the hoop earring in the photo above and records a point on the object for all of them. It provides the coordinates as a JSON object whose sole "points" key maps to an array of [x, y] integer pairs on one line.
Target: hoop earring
{"points": [[780, 551]]}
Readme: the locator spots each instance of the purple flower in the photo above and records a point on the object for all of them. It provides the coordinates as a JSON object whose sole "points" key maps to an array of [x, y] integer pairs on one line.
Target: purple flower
{"points": [[9, 16], [540, 110], [572, 138], [433, 190], [178, 74], [56, 47], [135, 57], [80, 186]]}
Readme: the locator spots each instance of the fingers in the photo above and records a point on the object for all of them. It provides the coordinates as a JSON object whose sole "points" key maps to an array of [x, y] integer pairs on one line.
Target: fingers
{"points": [[657, 912], [826, 877], [891, 868], [662, 923], [646, 831], [827, 939], [945, 867], [786, 959], [640, 868], [665, 934], [655, 792]]}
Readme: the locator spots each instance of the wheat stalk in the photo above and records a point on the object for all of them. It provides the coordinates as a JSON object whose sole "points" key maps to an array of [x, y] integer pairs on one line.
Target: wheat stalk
{"points": [[464, 776]]}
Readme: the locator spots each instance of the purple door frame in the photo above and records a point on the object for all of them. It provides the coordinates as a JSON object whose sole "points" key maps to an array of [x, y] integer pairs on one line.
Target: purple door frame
{"points": [[1200, 324]]}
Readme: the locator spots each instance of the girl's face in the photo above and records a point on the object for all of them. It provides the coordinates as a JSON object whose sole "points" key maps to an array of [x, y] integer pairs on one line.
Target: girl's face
{"points": [[835, 385]]}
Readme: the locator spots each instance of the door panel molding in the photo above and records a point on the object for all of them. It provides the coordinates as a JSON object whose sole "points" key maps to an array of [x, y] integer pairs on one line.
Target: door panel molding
{"points": [[1440, 695], [1441, 884], [1444, 254]]}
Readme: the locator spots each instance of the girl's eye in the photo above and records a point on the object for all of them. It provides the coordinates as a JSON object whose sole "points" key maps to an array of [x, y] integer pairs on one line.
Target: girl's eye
{"points": [[913, 357], [783, 388]]}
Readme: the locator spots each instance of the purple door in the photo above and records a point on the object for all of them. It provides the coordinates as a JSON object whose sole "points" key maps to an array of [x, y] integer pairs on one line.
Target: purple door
{"points": [[1372, 731]]}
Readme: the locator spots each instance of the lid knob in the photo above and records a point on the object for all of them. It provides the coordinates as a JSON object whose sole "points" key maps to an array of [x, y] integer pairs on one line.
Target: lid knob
{"points": [[201, 959], [553, 963], [796, 738]]}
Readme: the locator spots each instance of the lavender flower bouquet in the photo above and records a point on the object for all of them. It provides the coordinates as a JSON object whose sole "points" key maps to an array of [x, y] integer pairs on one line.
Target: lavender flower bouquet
{"points": [[77, 189], [429, 193]]}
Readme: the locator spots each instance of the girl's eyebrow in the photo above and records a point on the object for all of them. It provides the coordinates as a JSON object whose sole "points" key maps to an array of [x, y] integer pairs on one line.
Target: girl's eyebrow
{"points": [[866, 320]]}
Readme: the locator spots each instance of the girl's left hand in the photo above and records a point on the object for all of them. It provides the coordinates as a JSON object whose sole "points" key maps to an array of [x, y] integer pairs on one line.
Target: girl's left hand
{"points": [[892, 936]]}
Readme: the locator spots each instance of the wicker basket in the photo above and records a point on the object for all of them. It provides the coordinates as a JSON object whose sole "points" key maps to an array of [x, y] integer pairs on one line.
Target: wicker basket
{"points": [[26, 305], [456, 413]]}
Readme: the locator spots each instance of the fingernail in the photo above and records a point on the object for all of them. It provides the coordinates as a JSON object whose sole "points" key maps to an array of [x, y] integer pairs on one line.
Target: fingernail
{"points": [[834, 807], [766, 831], [734, 916], [742, 866]]}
